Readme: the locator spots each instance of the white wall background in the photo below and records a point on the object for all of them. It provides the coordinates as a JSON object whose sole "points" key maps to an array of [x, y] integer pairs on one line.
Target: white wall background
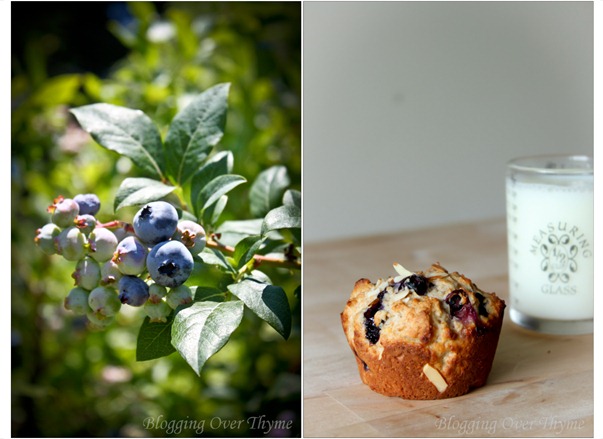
{"points": [[412, 109]]}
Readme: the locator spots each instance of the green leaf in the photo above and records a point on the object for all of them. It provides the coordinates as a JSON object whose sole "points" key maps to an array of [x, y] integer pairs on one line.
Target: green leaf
{"points": [[219, 164], [138, 191], [195, 131], [245, 227], [246, 249], [268, 302], [231, 232], [260, 276], [129, 132], [214, 257], [292, 198], [154, 340], [274, 244], [267, 190], [186, 215], [203, 328], [284, 217], [219, 186], [211, 214], [208, 293]]}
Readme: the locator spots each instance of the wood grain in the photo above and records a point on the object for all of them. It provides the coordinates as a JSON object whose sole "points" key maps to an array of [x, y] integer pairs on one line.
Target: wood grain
{"points": [[540, 385]]}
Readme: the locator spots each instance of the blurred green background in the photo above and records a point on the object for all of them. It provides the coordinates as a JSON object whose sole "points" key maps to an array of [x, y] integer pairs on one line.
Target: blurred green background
{"points": [[66, 380]]}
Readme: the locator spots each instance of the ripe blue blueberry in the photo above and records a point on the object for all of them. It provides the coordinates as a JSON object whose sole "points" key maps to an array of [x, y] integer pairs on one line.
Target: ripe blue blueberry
{"points": [[103, 243], [87, 273], [71, 244], [192, 235], [170, 263], [133, 291], [130, 256], [89, 203], [63, 211], [104, 301], [179, 296], [156, 222], [45, 238], [77, 301]]}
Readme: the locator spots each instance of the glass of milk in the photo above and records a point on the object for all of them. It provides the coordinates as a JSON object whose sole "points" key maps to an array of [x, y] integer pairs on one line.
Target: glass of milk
{"points": [[550, 210]]}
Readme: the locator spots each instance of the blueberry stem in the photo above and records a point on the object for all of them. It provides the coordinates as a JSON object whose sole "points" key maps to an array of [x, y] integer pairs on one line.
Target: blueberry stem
{"points": [[284, 262], [116, 224]]}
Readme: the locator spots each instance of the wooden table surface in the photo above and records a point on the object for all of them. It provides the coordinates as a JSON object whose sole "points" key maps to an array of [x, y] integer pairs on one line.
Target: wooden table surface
{"points": [[539, 386]]}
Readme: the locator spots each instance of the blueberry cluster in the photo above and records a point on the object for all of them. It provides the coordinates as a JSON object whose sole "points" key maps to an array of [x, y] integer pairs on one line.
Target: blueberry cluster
{"points": [[141, 264]]}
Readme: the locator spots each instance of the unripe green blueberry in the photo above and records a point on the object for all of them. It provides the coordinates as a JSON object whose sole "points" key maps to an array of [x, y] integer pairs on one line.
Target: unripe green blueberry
{"points": [[130, 256], [110, 274], [157, 312], [63, 211], [99, 321], [156, 293], [71, 244], [180, 295], [87, 273], [86, 223], [45, 238], [77, 301], [104, 301], [192, 235], [102, 244]]}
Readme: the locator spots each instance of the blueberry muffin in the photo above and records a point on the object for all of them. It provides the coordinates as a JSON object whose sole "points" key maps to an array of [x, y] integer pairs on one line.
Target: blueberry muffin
{"points": [[424, 335]]}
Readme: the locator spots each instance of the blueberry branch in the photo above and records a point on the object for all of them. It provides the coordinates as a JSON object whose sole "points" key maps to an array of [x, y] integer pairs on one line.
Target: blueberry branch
{"points": [[116, 224], [286, 262]]}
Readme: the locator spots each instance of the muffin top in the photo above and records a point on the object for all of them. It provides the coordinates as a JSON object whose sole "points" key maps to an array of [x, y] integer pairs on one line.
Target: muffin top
{"points": [[435, 309]]}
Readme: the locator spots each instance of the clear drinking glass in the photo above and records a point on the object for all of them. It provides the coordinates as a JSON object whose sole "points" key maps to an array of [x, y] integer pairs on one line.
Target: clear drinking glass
{"points": [[550, 218]]}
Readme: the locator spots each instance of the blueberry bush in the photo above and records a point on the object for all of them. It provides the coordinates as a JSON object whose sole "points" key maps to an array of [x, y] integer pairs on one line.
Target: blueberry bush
{"points": [[176, 237], [170, 53]]}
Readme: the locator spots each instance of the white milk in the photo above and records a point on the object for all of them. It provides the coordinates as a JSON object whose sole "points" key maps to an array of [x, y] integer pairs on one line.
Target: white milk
{"points": [[550, 236]]}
